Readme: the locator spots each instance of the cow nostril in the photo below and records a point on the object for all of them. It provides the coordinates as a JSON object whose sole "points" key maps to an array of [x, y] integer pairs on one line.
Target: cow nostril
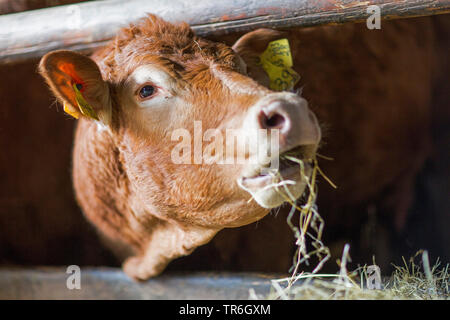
{"points": [[275, 121]]}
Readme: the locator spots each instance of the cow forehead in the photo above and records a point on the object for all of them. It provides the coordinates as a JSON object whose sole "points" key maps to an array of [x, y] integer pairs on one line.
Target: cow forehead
{"points": [[174, 52]]}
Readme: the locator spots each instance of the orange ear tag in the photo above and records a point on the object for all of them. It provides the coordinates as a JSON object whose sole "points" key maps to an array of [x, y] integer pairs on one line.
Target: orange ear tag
{"points": [[85, 108]]}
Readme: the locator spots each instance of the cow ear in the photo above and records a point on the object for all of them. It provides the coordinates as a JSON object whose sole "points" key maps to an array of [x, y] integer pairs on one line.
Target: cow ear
{"points": [[77, 82], [250, 47]]}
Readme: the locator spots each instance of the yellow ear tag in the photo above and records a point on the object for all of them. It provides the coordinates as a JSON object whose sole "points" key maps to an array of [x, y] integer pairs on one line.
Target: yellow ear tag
{"points": [[276, 60], [85, 108], [71, 110]]}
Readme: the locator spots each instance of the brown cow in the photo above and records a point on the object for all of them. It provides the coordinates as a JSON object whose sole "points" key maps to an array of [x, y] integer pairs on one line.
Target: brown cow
{"points": [[152, 79]]}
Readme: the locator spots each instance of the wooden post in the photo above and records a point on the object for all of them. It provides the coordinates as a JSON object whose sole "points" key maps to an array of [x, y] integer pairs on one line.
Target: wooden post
{"points": [[89, 25]]}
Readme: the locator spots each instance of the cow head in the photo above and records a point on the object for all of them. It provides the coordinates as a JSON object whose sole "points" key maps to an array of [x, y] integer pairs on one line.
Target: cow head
{"points": [[157, 86]]}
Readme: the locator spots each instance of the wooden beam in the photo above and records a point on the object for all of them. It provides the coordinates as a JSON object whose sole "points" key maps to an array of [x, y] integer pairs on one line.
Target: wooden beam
{"points": [[91, 24]]}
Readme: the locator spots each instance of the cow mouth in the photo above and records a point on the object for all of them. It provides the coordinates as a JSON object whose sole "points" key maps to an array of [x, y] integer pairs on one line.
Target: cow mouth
{"points": [[289, 169]]}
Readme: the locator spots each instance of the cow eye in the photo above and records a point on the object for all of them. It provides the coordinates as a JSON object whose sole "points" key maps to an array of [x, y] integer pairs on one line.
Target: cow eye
{"points": [[146, 91]]}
